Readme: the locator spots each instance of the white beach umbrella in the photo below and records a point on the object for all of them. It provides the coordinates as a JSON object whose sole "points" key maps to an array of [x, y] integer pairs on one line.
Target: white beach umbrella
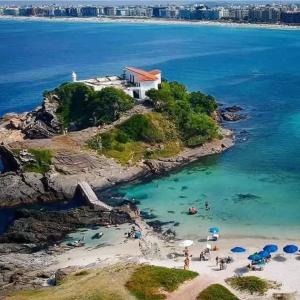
{"points": [[186, 243]]}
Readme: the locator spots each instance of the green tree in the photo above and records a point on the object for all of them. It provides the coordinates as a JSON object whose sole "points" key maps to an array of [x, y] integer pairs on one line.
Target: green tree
{"points": [[80, 106], [202, 103], [107, 105]]}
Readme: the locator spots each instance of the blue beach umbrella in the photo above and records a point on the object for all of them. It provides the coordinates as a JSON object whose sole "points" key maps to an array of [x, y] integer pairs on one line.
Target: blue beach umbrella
{"points": [[264, 254], [255, 257], [271, 248], [238, 250], [214, 230], [290, 249]]}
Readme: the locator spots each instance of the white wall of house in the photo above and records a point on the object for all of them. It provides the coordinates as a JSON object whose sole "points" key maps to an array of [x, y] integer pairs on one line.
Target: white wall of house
{"points": [[141, 87]]}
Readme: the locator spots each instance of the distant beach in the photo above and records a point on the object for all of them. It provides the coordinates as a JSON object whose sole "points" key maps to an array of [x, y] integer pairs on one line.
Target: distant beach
{"points": [[152, 21]]}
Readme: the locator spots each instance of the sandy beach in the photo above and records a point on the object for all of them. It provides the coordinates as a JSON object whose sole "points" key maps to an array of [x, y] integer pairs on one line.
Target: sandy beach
{"points": [[283, 268], [152, 21]]}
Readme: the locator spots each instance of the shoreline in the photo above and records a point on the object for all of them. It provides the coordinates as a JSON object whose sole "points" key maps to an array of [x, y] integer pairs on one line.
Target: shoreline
{"points": [[152, 21]]}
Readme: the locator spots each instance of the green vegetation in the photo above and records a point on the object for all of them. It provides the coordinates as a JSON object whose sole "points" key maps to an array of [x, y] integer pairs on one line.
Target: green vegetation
{"points": [[151, 282], [250, 284], [95, 284], [148, 135], [180, 119], [216, 292], [191, 112], [81, 107], [40, 160]]}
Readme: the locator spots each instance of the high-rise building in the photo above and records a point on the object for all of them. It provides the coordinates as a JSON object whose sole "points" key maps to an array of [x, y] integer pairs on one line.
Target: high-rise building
{"points": [[89, 11], [109, 11], [290, 17], [11, 11]]}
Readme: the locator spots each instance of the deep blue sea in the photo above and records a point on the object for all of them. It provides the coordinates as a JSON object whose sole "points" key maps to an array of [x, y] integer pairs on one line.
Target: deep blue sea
{"points": [[252, 189]]}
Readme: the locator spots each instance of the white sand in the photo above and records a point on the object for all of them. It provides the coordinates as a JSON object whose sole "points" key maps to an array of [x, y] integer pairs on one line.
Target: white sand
{"points": [[285, 272], [133, 20]]}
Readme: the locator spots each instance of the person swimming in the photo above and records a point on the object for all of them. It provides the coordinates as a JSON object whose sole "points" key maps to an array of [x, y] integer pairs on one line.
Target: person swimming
{"points": [[192, 210]]}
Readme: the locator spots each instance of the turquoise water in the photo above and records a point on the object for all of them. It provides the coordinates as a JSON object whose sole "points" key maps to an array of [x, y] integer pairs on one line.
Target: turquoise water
{"points": [[254, 188]]}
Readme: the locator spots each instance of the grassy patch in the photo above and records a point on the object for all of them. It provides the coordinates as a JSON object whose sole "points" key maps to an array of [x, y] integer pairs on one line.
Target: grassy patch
{"points": [[41, 160], [101, 284], [149, 135], [249, 284], [165, 150], [152, 283], [216, 292]]}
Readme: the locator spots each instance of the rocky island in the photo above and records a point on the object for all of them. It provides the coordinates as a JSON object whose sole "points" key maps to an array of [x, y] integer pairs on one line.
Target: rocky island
{"points": [[103, 138], [46, 152]]}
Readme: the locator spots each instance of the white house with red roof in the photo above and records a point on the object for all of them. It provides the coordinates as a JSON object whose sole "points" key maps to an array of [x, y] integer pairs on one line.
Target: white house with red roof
{"points": [[142, 81], [134, 82]]}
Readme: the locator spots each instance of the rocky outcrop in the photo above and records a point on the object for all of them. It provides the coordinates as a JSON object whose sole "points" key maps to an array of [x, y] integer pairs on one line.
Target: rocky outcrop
{"points": [[20, 189], [230, 114], [100, 172], [40, 123], [43, 121], [162, 166], [42, 228], [61, 274]]}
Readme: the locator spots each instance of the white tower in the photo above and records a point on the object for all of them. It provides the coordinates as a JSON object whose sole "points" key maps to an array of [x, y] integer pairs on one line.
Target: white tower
{"points": [[74, 77]]}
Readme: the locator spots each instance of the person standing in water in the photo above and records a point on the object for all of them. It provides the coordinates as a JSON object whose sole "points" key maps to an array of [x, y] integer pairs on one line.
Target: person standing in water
{"points": [[206, 205]]}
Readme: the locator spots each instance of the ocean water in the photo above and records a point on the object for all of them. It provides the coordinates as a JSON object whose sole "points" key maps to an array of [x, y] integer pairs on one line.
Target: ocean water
{"points": [[252, 189]]}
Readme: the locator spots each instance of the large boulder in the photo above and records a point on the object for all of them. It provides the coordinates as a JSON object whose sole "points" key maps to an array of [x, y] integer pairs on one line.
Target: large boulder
{"points": [[43, 122], [21, 189]]}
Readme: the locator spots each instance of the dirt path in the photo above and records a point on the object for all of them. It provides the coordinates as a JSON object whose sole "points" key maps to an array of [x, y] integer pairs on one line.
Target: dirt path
{"points": [[191, 289]]}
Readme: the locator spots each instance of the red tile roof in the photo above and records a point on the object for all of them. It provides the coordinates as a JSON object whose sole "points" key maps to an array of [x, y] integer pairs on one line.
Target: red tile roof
{"points": [[144, 75]]}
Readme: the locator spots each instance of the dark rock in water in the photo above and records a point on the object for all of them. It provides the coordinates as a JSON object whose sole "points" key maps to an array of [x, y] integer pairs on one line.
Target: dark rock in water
{"points": [[233, 108], [184, 188], [157, 225], [176, 179], [183, 197], [148, 216], [246, 197], [44, 228], [141, 196], [232, 117], [97, 235], [242, 136], [176, 224], [171, 212]]}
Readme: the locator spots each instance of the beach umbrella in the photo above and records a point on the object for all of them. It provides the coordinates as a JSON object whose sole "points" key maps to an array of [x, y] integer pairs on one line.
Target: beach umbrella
{"points": [[186, 243], [290, 249], [264, 254], [214, 230], [271, 248], [255, 257], [238, 250]]}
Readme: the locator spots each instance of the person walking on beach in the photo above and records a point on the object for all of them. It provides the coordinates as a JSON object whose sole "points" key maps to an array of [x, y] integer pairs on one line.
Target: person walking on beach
{"points": [[217, 260], [186, 252], [186, 263]]}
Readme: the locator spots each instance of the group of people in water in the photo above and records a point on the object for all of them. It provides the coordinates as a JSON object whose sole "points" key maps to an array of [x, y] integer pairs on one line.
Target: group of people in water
{"points": [[192, 210]]}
